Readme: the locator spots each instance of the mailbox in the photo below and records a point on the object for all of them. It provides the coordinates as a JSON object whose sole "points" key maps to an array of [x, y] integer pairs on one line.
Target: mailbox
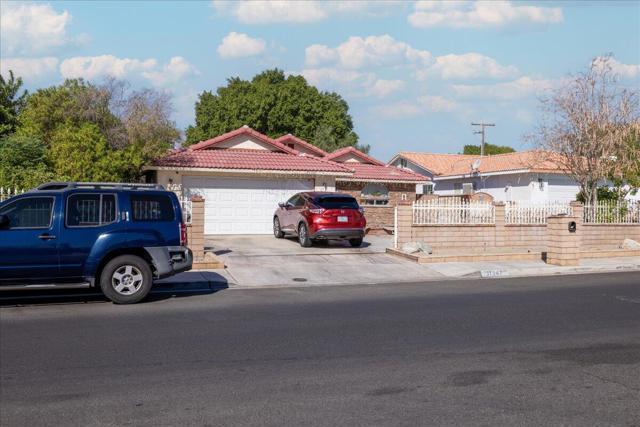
{"points": [[572, 226]]}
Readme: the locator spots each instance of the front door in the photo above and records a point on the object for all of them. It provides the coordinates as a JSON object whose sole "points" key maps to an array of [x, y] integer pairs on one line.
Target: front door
{"points": [[29, 243]]}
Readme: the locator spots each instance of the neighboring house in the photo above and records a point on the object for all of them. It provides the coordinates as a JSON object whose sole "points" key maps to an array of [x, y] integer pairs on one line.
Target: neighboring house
{"points": [[529, 176], [243, 174]]}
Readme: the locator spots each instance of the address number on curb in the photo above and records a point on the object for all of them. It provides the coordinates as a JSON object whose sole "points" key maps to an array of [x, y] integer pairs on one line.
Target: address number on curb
{"points": [[493, 273]]}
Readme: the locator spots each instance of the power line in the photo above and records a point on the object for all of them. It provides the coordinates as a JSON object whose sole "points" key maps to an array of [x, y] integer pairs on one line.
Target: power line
{"points": [[482, 132]]}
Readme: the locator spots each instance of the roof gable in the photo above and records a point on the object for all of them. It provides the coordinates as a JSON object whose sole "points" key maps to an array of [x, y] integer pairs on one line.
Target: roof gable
{"points": [[243, 138], [350, 154], [301, 145]]}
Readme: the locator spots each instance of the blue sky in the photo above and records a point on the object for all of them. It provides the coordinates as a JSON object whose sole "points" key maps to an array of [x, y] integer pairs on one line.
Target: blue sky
{"points": [[414, 74]]}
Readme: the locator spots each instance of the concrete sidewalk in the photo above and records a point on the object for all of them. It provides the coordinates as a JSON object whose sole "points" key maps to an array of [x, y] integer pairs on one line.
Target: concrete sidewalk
{"points": [[349, 269]]}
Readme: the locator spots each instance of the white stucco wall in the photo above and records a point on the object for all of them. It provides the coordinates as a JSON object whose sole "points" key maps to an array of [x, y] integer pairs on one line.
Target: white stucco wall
{"points": [[349, 158], [304, 150], [246, 142], [517, 187]]}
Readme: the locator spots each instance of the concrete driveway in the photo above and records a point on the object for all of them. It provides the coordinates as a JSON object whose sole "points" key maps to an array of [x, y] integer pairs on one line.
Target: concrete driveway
{"points": [[267, 245], [265, 261]]}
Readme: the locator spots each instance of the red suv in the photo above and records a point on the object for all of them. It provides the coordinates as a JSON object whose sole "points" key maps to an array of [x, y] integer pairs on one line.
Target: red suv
{"points": [[320, 216]]}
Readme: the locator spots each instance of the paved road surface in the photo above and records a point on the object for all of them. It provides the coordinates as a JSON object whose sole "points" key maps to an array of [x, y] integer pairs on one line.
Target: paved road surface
{"points": [[518, 352]]}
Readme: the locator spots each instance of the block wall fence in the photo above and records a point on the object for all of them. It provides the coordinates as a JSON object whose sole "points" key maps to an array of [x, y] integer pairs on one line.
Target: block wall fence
{"points": [[501, 234]]}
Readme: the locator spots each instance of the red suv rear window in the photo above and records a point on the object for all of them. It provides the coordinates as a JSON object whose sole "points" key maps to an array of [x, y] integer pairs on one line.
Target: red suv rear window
{"points": [[336, 202]]}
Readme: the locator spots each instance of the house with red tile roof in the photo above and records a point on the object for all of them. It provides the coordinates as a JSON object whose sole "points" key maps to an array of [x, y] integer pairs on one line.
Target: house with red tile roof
{"points": [[530, 176], [244, 174]]}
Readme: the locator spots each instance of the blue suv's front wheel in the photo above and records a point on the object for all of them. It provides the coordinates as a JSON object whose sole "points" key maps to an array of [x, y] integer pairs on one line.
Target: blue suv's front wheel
{"points": [[126, 279]]}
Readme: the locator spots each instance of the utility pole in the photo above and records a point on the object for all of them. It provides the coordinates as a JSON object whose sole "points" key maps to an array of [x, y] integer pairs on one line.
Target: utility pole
{"points": [[482, 132]]}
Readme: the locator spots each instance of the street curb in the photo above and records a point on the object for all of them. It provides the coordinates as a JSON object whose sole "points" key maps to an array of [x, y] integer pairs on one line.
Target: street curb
{"points": [[471, 276]]}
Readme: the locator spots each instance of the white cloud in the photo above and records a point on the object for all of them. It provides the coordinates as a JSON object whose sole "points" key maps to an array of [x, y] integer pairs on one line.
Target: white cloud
{"points": [[358, 52], [171, 73], [437, 104], [239, 45], [333, 77], [265, 12], [397, 110], [91, 67], [28, 28], [382, 88], [628, 71], [29, 69], [351, 82], [481, 14], [522, 87], [422, 105], [467, 66], [299, 12]]}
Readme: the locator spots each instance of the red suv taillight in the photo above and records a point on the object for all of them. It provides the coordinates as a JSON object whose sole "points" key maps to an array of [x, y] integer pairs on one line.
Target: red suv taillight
{"points": [[183, 234]]}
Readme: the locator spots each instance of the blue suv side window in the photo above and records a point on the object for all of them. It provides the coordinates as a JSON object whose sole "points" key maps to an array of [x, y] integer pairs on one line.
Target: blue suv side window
{"points": [[148, 207], [31, 212], [90, 210]]}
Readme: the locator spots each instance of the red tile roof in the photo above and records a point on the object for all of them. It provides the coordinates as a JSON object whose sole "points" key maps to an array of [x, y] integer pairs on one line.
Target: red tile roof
{"points": [[382, 173], [351, 150], [205, 155], [460, 164], [295, 140], [249, 160], [244, 130]]}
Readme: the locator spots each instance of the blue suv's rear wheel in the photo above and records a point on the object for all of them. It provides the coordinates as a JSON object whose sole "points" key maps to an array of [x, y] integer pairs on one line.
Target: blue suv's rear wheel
{"points": [[126, 279]]}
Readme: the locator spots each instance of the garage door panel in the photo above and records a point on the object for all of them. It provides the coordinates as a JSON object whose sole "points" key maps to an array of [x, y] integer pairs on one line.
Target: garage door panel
{"points": [[242, 206]]}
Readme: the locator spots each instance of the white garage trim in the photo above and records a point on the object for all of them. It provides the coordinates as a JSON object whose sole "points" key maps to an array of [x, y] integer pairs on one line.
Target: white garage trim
{"points": [[242, 205]]}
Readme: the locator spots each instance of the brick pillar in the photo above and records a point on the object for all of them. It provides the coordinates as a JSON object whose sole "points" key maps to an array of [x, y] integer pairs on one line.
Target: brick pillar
{"points": [[563, 246], [578, 211], [501, 232], [404, 222], [196, 241]]}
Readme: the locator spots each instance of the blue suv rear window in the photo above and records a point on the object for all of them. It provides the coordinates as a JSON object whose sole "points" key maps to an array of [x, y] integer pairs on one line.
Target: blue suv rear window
{"points": [[147, 207], [90, 210]]}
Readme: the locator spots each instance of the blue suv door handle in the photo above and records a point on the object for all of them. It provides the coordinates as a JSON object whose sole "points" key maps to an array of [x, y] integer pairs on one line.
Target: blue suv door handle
{"points": [[46, 237]]}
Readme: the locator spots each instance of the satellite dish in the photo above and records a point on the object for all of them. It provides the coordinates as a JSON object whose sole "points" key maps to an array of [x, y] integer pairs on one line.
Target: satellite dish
{"points": [[476, 164]]}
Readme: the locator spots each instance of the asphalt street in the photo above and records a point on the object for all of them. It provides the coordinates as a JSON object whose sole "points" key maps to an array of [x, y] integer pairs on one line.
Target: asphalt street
{"points": [[552, 351]]}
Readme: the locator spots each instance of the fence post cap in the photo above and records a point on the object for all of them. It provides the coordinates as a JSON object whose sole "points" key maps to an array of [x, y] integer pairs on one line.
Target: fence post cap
{"points": [[197, 199], [499, 204], [575, 204]]}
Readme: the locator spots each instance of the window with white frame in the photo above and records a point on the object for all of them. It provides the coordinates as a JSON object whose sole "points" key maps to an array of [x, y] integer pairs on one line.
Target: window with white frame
{"points": [[428, 188], [374, 194]]}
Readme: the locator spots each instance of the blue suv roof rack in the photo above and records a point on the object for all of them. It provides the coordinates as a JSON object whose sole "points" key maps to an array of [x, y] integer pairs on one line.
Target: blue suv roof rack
{"points": [[98, 186]]}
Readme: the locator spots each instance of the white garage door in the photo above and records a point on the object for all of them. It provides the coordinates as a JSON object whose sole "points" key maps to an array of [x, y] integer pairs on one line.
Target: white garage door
{"points": [[242, 206]]}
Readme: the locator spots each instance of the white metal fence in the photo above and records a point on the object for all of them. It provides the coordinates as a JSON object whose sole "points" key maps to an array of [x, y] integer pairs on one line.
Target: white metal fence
{"points": [[186, 206], [6, 192], [443, 211], [531, 213], [612, 212]]}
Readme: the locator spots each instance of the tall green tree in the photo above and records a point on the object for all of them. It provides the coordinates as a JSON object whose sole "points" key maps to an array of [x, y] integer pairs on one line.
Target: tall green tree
{"points": [[81, 153], [127, 129], [274, 104], [23, 162], [11, 103], [489, 149]]}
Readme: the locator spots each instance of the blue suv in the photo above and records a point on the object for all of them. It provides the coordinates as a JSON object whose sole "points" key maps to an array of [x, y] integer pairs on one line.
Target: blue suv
{"points": [[119, 237]]}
